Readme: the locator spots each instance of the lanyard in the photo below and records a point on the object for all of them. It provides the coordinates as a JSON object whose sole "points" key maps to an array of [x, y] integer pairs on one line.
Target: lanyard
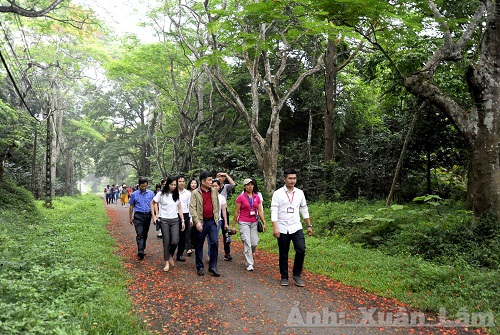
{"points": [[250, 201], [293, 194]]}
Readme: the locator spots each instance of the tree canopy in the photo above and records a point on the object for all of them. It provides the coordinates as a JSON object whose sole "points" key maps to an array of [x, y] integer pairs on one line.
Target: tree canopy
{"points": [[332, 88]]}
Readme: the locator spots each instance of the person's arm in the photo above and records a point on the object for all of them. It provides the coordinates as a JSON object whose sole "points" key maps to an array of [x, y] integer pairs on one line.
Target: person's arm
{"points": [[274, 214], [236, 214], [309, 226], [229, 179], [192, 209], [224, 216], [304, 210], [260, 209], [181, 215], [131, 213], [154, 210]]}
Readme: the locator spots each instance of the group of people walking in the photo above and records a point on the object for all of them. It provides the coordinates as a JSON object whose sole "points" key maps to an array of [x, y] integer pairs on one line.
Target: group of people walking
{"points": [[189, 215], [114, 192]]}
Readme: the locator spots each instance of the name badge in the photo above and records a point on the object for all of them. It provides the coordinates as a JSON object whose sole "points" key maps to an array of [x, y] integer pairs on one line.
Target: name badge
{"points": [[252, 212], [289, 210]]}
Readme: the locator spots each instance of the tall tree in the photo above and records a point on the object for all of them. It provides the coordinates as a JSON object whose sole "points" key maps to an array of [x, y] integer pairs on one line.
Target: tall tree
{"points": [[265, 36], [468, 34]]}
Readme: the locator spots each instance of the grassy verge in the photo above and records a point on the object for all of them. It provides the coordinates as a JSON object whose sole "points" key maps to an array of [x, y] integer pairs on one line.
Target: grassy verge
{"points": [[58, 274], [425, 285]]}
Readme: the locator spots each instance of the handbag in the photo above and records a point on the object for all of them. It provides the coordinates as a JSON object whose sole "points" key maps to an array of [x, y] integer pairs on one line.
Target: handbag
{"points": [[260, 227]]}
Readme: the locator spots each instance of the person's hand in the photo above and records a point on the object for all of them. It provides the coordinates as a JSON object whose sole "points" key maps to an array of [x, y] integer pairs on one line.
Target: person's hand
{"points": [[199, 227], [309, 231], [276, 232], [183, 226], [264, 226], [131, 221]]}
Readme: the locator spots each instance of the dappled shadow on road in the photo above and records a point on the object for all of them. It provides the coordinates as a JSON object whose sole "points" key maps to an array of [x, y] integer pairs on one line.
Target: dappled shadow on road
{"points": [[241, 302]]}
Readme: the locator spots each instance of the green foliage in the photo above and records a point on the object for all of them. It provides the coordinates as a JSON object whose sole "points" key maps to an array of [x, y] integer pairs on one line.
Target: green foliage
{"points": [[58, 274], [428, 285], [437, 230]]}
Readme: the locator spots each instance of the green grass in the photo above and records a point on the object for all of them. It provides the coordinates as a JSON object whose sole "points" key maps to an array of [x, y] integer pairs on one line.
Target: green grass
{"points": [[423, 284], [58, 274]]}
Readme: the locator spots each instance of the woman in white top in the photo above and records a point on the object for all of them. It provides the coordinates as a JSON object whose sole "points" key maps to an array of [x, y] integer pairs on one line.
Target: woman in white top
{"points": [[167, 210]]}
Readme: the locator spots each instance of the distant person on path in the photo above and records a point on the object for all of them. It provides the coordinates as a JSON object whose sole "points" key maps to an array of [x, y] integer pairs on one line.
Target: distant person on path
{"points": [[108, 194], [286, 204], [247, 211], [166, 207], [124, 195], [115, 194], [140, 214], [204, 209], [191, 234], [225, 191]]}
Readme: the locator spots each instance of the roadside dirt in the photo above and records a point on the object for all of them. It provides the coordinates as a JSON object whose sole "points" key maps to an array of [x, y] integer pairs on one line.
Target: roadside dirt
{"points": [[241, 302]]}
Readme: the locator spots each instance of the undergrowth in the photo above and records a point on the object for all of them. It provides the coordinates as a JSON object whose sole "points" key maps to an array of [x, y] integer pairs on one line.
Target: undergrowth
{"points": [[427, 256], [58, 274]]}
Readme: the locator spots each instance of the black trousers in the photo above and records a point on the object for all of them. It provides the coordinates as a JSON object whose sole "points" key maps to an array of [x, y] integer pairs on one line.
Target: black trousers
{"points": [[141, 221], [299, 244], [183, 235], [226, 239]]}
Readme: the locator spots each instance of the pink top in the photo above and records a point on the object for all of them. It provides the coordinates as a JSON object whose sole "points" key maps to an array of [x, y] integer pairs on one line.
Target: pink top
{"points": [[244, 200]]}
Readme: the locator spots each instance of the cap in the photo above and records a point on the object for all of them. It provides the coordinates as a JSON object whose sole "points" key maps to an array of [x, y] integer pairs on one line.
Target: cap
{"points": [[247, 181]]}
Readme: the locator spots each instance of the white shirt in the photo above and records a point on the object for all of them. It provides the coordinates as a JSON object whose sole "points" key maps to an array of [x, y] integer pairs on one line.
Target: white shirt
{"points": [[167, 207], [185, 199], [225, 189], [285, 209], [222, 201]]}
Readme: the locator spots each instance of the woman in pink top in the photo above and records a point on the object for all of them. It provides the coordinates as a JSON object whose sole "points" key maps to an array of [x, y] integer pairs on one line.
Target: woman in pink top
{"points": [[248, 207]]}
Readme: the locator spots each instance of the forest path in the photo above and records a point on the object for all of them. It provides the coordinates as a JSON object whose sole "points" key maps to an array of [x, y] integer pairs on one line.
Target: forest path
{"points": [[241, 302]]}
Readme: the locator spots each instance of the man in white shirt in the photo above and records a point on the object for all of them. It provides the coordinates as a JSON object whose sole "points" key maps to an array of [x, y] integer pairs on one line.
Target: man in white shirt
{"points": [[185, 198], [287, 204]]}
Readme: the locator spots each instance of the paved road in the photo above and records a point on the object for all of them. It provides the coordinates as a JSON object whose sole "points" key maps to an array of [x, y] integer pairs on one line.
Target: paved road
{"points": [[241, 302]]}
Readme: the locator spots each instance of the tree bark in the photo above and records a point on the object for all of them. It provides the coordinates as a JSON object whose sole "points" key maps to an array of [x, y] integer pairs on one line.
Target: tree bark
{"points": [[267, 157], [331, 100], [70, 167], [16, 9], [480, 125]]}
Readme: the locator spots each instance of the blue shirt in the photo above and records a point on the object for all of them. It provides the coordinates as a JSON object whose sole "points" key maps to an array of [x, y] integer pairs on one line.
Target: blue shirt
{"points": [[141, 201]]}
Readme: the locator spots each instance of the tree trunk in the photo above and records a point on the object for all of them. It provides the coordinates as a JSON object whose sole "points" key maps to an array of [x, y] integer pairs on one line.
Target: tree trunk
{"points": [[70, 165], [267, 157], [484, 176], [33, 165], [331, 100]]}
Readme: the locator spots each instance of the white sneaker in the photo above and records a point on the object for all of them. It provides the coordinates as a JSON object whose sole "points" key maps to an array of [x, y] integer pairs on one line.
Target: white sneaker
{"points": [[249, 267]]}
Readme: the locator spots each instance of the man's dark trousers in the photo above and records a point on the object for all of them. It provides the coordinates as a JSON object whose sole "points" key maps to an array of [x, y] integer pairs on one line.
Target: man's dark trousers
{"points": [[299, 244], [210, 229], [181, 247], [142, 221]]}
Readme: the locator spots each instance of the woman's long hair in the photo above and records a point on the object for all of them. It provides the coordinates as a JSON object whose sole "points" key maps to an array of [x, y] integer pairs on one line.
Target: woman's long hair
{"points": [[166, 188]]}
